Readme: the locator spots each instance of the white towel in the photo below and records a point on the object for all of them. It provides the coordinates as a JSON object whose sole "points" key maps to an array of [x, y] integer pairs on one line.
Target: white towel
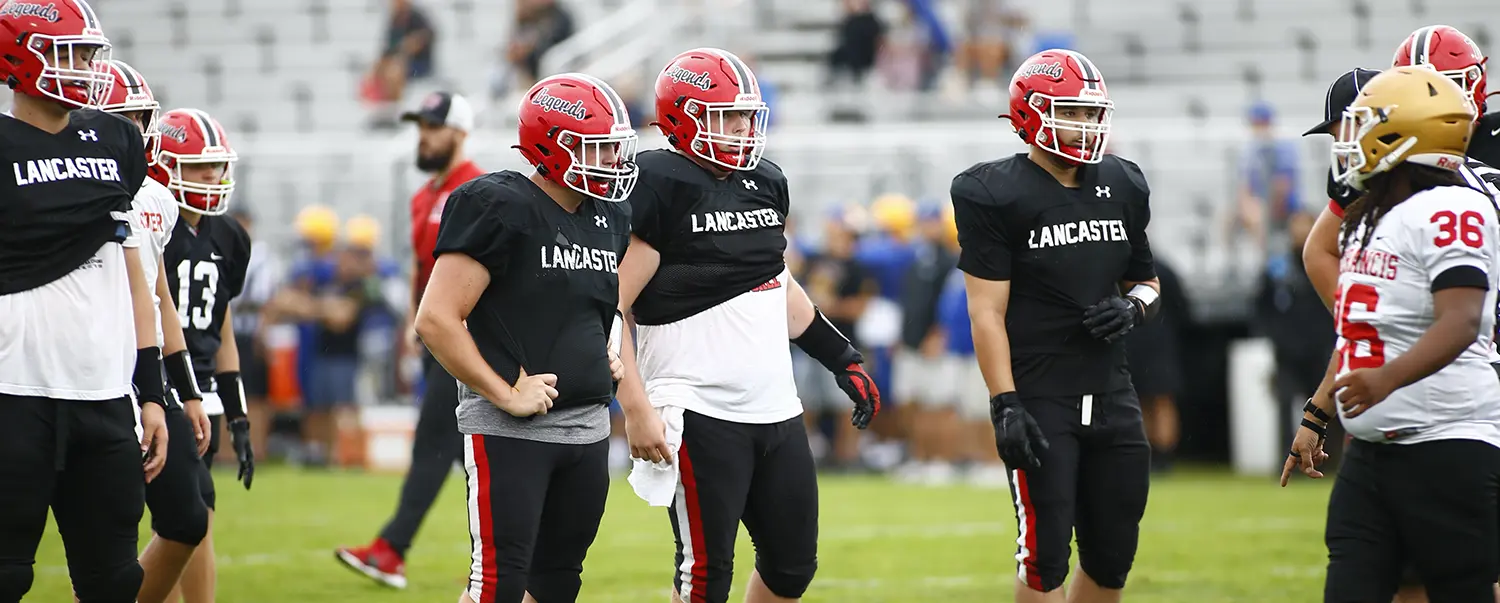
{"points": [[656, 483]]}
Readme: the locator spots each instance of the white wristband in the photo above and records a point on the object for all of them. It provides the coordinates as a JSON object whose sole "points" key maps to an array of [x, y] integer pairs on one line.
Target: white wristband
{"points": [[1146, 294]]}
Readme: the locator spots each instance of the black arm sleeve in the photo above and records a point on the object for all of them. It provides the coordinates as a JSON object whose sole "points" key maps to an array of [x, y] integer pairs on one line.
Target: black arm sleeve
{"points": [[824, 343], [479, 224], [983, 239]]}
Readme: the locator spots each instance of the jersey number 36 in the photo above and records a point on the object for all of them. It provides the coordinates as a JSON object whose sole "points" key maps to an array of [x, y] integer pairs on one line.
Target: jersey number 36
{"points": [[196, 315]]}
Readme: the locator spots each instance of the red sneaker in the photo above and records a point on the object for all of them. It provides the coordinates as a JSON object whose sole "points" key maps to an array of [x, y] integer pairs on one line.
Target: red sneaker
{"points": [[378, 561]]}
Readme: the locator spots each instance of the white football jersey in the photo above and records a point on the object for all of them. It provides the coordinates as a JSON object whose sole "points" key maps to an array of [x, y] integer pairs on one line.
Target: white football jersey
{"points": [[153, 215], [1385, 305]]}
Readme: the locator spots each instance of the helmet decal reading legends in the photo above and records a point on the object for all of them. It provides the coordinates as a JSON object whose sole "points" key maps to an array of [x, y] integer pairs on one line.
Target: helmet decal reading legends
{"points": [[1052, 70], [702, 81], [547, 102], [174, 132], [47, 12]]}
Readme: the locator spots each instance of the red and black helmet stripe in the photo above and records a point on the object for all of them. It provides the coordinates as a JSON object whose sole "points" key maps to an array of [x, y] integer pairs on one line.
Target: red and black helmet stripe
{"points": [[132, 79], [1091, 78], [616, 105], [742, 74], [206, 125], [90, 20], [1421, 45]]}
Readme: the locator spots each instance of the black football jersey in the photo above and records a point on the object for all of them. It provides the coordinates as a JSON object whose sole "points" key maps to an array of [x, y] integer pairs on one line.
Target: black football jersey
{"points": [[554, 280], [66, 195], [1063, 250], [718, 238], [1484, 145], [205, 269]]}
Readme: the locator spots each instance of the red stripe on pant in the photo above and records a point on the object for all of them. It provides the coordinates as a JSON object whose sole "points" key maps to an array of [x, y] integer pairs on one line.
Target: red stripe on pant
{"points": [[1023, 489], [698, 592], [490, 571]]}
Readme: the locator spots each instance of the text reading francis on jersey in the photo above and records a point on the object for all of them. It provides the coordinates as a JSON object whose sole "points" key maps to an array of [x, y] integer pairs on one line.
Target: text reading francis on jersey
{"points": [[1082, 231], [730, 221], [38, 171], [578, 257], [1378, 264]]}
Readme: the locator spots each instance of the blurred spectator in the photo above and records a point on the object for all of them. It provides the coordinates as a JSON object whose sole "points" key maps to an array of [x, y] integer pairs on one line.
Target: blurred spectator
{"points": [[406, 55], [540, 25], [1156, 367], [995, 37], [976, 433], [860, 35], [1268, 187], [294, 303], [1289, 312], [886, 254], [841, 288], [904, 51], [262, 277], [922, 383]]}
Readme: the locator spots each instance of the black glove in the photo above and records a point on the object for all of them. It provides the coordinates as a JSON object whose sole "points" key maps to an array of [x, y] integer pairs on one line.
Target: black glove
{"points": [[860, 388], [1017, 436], [239, 434], [1112, 318]]}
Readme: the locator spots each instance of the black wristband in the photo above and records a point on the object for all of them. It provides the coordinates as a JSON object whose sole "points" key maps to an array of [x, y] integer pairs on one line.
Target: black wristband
{"points": [[149, 388], [184, 380], [231, 394], [1315, 411], [1316, 428], [825, 344]]}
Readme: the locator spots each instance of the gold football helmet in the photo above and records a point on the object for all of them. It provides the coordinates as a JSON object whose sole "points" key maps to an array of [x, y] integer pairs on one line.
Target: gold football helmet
{"points": [[1408, 113]]}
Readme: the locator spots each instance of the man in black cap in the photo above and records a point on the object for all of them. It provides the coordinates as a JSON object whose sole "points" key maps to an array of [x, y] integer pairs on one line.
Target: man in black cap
{"points": [[444, 120], [1320, 257]]}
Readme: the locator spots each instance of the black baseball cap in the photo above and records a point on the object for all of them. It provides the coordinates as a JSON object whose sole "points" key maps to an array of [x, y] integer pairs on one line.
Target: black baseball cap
{"points": [[443, 109], [1340, 95]]}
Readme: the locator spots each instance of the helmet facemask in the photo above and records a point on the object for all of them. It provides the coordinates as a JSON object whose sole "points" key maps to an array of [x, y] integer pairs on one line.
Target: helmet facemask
{"points": [[199, 197], [729, 151], [612, 181], [66, 77], [1094, 134], [1349, 158]]}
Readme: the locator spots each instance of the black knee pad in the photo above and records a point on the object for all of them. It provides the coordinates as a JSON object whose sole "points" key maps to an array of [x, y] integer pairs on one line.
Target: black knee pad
{"points": [[1106, 571], [787, 580], [15, 581], [119, 585]]}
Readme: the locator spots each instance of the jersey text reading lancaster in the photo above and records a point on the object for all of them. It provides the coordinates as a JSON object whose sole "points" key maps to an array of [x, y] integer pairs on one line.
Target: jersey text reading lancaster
{"points": [[730, 221], [66, 168], [1082, 231]]}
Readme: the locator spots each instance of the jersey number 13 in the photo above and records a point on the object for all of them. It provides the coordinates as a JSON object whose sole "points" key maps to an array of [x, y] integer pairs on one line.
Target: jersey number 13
{"points": [[196, 315]]}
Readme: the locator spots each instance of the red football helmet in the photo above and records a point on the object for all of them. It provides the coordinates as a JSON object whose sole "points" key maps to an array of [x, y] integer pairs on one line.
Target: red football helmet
{"points": [[1061, 81], [576, 132], [130, 94], [1451, 53], [191, 136], [700, 94], [52, 49]]}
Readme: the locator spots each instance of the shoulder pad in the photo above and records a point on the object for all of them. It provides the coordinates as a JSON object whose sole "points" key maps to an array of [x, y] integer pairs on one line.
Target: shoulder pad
{"points": [[1132, 172]]}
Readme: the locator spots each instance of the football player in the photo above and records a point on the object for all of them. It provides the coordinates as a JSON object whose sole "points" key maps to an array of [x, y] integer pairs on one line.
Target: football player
{"points": [[1415, 314], [179, 517], [706, 284], [1058, 269], [205, 264], [520, 308], [75, 310], [1457, 57]]}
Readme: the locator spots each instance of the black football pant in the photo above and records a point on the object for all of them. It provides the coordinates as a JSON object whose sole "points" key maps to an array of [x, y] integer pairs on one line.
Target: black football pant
{"points": [[759, 474], [1430, 505], [534, 509], [179, 511], [206, 476], [82, 460], [1093, 482], [436, 446]]}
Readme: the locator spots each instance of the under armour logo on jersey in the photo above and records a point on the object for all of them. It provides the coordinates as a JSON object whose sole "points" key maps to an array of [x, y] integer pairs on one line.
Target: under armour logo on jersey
{"points": [[750, 185], [1102, 192], [88, 135], [601, 222]]}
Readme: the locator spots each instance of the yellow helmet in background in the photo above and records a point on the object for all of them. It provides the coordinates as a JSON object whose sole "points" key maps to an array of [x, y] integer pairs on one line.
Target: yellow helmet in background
{"points": [[895, 214], [318, 225], [950, 224], [362, 231]]}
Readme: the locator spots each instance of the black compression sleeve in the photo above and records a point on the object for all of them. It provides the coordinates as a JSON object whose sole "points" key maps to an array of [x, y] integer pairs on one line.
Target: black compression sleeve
{"points": [[149, 388], [180, 373], [232, 394], [824, 343]]}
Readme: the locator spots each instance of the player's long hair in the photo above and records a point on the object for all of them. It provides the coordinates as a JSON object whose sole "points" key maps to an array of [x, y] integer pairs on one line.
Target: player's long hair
{"points": [[1381, 195]]}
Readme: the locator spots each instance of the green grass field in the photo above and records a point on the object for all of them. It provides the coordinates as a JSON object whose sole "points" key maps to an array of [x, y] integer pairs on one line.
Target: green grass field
{"points": [[1207, 538]]}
